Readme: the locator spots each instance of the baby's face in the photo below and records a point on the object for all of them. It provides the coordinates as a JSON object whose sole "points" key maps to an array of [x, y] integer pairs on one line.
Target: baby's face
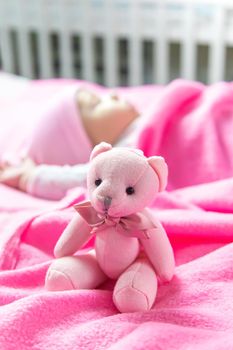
{"points": [[87, 99], [106, 105], [115, 106]]}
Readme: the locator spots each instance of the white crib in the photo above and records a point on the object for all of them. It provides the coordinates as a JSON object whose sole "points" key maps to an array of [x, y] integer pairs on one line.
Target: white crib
{"points": [[118, 42]]}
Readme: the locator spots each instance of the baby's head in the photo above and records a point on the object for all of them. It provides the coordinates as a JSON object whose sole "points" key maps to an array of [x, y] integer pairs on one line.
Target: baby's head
{"points": [[110, 103], [122, 181], [105, 117]]}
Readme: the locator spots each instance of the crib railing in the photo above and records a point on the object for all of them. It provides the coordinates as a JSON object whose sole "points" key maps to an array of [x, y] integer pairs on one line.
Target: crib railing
{"points": [[118, 42]]}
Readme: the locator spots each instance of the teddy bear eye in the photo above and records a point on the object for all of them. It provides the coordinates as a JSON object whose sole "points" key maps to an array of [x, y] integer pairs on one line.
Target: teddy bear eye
{"points": [[98, 182], [129, 190]]}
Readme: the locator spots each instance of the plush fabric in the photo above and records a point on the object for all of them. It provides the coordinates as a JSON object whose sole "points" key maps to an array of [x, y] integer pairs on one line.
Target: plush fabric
{"points": [[193, 311], [120, 222], [191, 122]]}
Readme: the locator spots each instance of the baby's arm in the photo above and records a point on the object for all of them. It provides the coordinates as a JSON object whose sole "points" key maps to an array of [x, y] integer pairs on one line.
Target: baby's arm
{"points": [[45, 181], [16, 175], [52, 181]]}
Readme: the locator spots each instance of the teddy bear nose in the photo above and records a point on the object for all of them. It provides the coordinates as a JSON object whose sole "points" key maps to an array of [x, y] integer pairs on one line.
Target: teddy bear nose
{"points": [[107, 202]]}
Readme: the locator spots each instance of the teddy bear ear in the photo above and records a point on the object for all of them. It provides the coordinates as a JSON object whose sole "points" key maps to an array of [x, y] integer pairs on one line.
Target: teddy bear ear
{"points": [[100, 148], [160, 167]]}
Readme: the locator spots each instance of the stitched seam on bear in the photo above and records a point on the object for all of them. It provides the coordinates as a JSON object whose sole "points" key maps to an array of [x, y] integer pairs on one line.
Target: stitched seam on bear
{"points": [[104, 259], [62, 273], [141, 174], [137, 288], [139, 291]]}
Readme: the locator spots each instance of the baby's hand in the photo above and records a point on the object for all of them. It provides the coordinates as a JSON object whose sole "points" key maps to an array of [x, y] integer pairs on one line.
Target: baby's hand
{"points": [[16, 176]]}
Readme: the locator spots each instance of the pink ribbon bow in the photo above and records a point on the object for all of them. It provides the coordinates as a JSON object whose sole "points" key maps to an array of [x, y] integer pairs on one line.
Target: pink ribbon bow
{"points": [[134, 225]]}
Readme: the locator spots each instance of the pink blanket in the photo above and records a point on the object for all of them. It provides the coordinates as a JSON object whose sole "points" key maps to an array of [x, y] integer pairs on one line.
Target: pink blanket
{"points": [[191, 125]]}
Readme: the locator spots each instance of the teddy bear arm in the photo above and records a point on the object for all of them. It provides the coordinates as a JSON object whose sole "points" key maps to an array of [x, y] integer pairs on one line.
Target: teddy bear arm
{"points": [[75, 235], [159, 251]]}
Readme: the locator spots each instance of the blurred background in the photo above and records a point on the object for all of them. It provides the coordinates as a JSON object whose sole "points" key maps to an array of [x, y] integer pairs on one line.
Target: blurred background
{"points": [[118, 42]]}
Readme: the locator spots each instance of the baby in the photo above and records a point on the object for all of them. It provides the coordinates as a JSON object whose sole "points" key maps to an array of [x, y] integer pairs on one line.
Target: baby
{"points": [[56, 157]]}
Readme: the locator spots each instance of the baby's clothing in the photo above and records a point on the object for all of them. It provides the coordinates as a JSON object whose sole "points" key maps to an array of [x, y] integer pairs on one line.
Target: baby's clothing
{"points": [[53, 181], [61, 148], [59, 137]]}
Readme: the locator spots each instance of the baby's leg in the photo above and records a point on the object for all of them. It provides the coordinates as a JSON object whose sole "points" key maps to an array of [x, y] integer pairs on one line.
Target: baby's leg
{"points": [[74, 272], [136, 288]]}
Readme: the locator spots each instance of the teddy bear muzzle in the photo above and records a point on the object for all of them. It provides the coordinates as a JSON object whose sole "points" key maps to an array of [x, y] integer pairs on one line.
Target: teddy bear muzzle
{"points": [[105, 202]]}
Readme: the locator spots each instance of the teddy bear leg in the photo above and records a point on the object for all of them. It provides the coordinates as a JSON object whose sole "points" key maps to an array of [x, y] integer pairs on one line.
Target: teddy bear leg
{"points": [[74, 272], [136, 288]]}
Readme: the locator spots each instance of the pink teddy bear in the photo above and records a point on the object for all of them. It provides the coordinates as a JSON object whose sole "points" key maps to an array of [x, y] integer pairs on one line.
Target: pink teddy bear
{"points": [[131, 245]]}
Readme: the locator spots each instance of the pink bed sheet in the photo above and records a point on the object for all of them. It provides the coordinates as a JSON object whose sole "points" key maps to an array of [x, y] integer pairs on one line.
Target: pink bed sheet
{"points": [[189, 124]]}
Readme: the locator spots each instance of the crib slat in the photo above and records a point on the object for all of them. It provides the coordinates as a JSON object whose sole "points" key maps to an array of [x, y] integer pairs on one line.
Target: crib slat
{"points": [[5, 45], [217, 56], [135, 65], [66, 52], [161, 46], [110, 48], [44, 54], [87, 58], [188, 52], [6, 55], [135, 54], [87, 49], [66, 58], [44, 51], [24, 54], [25, 58], [110, 57]]}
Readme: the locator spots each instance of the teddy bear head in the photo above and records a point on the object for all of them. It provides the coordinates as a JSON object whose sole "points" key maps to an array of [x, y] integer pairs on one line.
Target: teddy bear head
{"points": [[122, 181]]}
